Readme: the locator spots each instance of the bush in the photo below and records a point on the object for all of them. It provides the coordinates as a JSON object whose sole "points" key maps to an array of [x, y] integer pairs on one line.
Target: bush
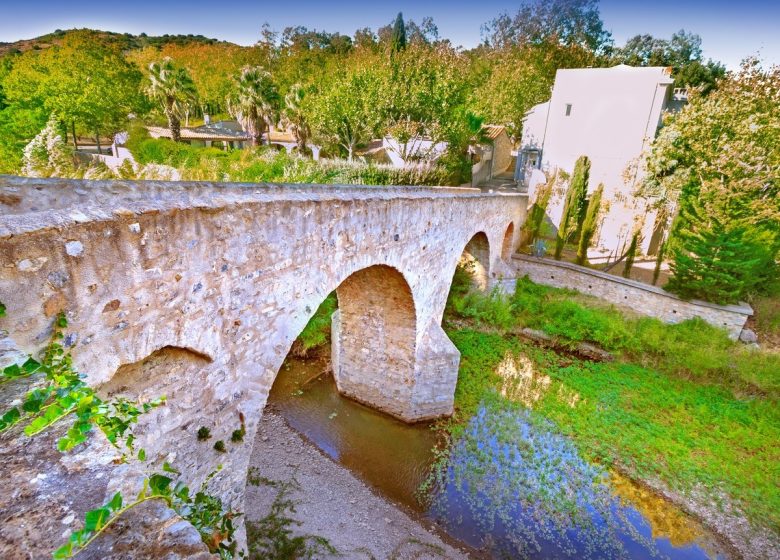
{"points": [[317, 331]]}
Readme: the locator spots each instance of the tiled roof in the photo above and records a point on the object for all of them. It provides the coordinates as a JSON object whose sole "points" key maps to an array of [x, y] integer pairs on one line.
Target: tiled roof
{"points": [[493, 131], [212, 133]]}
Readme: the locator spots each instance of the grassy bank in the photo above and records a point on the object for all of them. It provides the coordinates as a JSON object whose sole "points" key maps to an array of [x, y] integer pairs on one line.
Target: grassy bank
{"points": [[682, 404]]}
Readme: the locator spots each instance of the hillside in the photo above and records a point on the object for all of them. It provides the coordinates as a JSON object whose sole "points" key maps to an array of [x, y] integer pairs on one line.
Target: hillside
{"points": [[128, 41]]}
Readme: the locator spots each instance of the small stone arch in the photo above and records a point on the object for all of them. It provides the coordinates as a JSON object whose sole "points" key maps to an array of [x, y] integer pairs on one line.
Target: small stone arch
{"points": [[169, 432], [476, 259], [507, 247]]}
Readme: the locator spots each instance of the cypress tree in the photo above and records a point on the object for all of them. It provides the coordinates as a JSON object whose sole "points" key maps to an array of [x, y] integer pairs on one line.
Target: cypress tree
{"points": [[589, 224], [575, 204], [659, 259], [398, 42], [533, 224], [631, 255]]}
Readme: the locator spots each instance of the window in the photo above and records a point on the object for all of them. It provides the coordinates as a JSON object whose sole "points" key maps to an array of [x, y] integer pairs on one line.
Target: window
{"points": [[568, 109]]}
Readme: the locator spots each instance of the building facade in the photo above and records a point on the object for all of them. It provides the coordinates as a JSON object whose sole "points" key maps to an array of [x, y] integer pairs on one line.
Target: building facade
{"points": [[610, 115]]}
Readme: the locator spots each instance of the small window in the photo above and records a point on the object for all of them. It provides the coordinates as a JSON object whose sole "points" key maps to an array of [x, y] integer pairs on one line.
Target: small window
{"points": [[568, 109]]}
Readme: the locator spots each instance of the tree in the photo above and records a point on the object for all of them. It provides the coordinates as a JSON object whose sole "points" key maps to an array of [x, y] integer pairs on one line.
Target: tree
{"points": [[538, 212], [589, 224], [295, 117], [174, 89], [348, 110], [84, 80], [718, 263], [575, 204], [255, 102], [564, 22], [631, 254], [398, 41], [717, 161], [682, 53]]}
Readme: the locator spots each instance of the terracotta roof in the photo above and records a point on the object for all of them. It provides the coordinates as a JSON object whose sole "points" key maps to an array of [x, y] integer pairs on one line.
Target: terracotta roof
{"points": [[493, 131], [194, 134]]}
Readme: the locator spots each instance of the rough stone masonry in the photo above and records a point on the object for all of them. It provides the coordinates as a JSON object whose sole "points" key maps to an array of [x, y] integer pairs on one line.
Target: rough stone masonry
{"points": [[198, 290]]}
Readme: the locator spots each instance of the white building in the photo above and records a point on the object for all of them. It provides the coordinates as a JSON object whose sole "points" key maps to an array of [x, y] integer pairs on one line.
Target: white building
{"points": [[609, 115]]}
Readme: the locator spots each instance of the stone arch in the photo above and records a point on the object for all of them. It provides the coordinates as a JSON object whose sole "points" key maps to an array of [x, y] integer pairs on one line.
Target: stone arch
{"points": [[169, 432], [507, 246], [373, 342], [476, 258]]}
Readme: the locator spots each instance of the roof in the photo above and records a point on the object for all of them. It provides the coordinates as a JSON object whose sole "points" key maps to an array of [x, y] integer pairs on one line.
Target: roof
{"points": [[493, 131], [206, 132]]}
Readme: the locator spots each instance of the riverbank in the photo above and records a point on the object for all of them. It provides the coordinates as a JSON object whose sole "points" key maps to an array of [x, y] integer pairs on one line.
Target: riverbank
{"points": [[333, 504]]}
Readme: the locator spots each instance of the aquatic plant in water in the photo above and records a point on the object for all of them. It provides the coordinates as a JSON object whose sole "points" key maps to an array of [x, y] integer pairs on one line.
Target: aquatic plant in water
{"points": [[526, 493]]}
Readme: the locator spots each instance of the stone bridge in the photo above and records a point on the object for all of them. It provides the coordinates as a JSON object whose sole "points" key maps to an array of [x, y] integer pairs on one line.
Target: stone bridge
{"points": [[198, 290]]}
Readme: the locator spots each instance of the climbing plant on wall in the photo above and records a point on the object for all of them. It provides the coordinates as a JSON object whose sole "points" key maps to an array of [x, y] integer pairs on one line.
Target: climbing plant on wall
{"points": [[62, 394]]}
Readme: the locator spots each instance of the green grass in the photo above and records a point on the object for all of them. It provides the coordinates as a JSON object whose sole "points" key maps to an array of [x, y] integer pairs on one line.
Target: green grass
{"points": [[648, 423], [691, 349], [682, 403]]}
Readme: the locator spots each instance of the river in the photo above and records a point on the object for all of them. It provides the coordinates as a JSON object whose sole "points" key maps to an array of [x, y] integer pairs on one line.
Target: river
{"points": [[512, 488]]}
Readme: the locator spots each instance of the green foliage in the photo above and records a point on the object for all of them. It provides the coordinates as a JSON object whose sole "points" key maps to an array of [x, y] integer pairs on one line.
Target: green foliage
{"points": [[203, 433], [663, 412], [63, 394], [317, 331], [715, 162], [493, 309], [589, 224], [682, 53], [398, 40], [254, 102], [532, 228], [271, 538], [575, 204], [220, 446], [659, 259], [720, 264], [631, 254], [171, 86], [84, 80], [204, 511]]}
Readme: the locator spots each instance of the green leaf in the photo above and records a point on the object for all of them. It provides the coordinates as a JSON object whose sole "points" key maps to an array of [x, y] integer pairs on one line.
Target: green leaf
{"points": [[2, 309], [168, 468], [115, 503], [62, 321], [31, 366], [65, 551], [10, 418], [159, 485], [96, 519], [142, 454], [12, 371]]}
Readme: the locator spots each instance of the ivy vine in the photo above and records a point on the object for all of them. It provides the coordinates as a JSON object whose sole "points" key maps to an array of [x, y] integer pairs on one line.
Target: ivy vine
{"points": [[63, 393]]}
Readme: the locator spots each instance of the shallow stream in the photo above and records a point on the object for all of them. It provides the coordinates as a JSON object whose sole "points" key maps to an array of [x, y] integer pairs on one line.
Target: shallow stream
{"points": [[514, 488]]}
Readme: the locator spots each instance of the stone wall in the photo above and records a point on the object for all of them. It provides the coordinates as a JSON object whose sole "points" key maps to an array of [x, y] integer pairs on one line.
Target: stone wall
{"points": [[642, 298], [198, 290]]}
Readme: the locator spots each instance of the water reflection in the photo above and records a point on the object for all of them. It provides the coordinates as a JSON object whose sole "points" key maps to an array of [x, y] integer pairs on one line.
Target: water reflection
{"points": [[516, 488], [513, 487]]}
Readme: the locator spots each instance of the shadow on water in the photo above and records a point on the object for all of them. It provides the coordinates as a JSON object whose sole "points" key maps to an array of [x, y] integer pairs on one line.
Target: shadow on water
{"points": [[512, 487]]}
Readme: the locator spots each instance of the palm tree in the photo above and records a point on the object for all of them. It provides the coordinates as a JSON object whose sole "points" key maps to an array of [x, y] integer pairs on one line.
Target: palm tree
{"points": [[254, 102], [173, 87], [295, 118]]}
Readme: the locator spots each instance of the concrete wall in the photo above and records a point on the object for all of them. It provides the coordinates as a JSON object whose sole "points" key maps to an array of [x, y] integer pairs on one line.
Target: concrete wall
{"points": [[198, 290], [641, 298]]}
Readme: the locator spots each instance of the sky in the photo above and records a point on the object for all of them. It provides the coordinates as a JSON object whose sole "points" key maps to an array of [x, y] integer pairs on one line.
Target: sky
{"points": [[730, 30]]}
